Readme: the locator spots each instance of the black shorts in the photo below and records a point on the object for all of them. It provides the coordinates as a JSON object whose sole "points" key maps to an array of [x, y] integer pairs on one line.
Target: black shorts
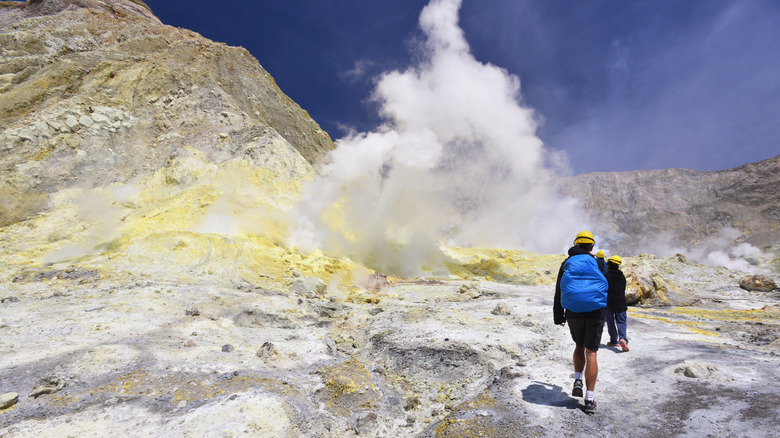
{"points": [[586, 328]]}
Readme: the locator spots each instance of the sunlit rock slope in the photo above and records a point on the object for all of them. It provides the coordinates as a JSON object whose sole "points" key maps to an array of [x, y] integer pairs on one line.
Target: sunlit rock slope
{"points": [[94, 92]]}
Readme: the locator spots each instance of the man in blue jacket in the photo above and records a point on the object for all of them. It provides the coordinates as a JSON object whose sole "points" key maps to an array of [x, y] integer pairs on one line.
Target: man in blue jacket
{"points": [[580, 299]]}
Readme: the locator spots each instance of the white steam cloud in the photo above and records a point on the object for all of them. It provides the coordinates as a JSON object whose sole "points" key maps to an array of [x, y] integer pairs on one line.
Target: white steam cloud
{"points": [[456, 161], [720, 250], [96, 207]]}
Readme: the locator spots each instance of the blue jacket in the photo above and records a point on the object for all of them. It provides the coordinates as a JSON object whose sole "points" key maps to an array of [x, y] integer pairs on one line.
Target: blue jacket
{"points": [[602, 265], [581, 286]]}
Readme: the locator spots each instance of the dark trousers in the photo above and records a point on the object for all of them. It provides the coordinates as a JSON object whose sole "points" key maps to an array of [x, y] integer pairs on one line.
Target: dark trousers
{"points": [[616, 326]]}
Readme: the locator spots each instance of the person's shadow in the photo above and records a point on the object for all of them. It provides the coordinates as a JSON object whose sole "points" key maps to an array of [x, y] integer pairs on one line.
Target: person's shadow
{"points": [[541, 393]]}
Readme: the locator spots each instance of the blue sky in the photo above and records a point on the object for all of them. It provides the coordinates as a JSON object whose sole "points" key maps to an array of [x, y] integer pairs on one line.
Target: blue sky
{"points": [[617, 85]]}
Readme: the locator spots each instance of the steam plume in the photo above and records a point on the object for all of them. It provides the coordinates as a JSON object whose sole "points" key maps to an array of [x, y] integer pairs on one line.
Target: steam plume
{"points": [[456, 161], [721, 249]]}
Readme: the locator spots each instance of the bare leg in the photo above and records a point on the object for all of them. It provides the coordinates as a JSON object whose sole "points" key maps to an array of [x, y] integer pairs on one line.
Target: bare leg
{"points": [[591, 369], [579, 359]]}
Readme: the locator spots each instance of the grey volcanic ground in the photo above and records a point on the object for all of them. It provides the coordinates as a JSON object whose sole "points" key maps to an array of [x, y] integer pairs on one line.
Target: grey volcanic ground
{"points": [[444, 359]]}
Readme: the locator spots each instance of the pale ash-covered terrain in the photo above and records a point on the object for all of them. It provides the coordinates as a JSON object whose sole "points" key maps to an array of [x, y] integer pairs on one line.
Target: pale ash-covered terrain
{"points": [[146, 355], [146, 288]]}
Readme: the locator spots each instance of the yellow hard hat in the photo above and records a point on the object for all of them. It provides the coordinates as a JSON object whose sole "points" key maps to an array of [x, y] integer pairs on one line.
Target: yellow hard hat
{"points": [[600, 254], [584, 237], [616, 260]]}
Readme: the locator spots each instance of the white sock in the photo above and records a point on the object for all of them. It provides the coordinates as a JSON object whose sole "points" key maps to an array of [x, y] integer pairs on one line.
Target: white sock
{"points": [[589, 395], [577, 376]]}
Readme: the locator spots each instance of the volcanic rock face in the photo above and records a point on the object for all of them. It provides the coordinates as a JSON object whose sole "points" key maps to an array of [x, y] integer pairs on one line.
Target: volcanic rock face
{"points": [[94, 92], [687, 206]]}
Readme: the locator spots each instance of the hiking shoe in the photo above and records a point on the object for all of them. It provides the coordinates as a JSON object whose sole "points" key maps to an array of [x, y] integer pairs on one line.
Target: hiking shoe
{"points": [[577, 390], [590, 406], [624, 345]]}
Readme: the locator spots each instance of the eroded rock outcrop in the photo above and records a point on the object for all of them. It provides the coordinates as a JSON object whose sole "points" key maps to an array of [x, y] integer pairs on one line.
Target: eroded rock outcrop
{"points": [[761, 283], [94, 92], [682, 206]]}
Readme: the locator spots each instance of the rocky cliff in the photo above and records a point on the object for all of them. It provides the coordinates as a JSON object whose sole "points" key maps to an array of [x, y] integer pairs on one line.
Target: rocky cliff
{"points": [[96, 91], [684, 207]]}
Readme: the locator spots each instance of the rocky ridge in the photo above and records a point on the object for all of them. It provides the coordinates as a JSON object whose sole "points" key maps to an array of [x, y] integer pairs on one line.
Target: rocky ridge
{"points": [[684, 207], [94, 92]]}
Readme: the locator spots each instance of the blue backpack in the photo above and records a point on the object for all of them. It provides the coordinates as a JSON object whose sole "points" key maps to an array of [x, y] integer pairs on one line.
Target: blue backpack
{"points": [[583, 285]]}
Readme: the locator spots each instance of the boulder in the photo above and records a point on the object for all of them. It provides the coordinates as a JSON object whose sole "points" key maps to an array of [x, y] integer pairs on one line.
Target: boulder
{"points": [[695, 370], [758, 283], [8, 399], [310, 287], [501, 309], [267, 351], [651, 281]]}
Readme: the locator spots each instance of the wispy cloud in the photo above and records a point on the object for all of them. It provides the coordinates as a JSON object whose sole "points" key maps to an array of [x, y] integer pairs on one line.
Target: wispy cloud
{"points": [[360, 70], [688, 96]]}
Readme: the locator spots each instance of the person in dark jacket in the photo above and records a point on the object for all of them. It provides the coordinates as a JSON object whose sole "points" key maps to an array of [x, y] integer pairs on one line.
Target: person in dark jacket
{"points": [[616, 304], [580, 300], [600, 259]]}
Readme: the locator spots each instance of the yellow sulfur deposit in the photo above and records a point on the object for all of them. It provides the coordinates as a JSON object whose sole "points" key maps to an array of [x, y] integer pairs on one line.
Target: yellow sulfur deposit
{"points": [[692, 326], [761, 315], [197, 220], [192, 220], [348, 387], [503, 265]]}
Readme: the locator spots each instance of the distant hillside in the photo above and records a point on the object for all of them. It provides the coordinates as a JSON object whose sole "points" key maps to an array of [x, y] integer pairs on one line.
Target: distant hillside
{"points": [[694, 207], [94, 92]]}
